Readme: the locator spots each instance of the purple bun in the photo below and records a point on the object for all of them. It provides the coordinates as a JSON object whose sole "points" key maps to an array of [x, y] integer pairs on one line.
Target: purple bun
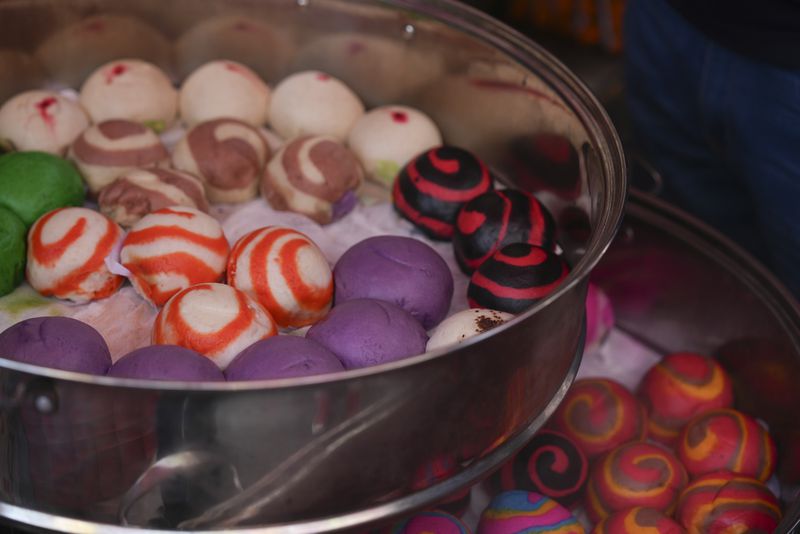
{"points": [[282, 357], [366, 332], [401, 270], [166, 362], [58, 343]]}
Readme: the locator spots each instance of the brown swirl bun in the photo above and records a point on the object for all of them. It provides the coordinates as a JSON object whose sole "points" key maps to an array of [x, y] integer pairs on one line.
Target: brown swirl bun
{"points": [[228, 155], [130, 89], [138, 192], [314, 176], [106, 150]]}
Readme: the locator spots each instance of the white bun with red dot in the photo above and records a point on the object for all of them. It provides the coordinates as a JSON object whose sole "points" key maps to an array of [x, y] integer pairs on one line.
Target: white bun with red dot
{"points": [[172, 249], [224, 90], [388, 137], [41, 120], [216, 320], [130, 89], [67, 251], [314, 103], [285, 272]]}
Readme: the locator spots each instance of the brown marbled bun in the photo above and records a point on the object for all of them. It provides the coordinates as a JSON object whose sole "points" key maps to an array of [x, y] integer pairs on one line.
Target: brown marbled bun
{"points": [[106, 150], [228, 155], [312, 175], [138, 192]]}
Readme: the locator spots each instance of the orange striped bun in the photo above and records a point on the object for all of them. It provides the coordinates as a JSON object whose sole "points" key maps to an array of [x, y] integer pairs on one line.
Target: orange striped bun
{"points": [[216, 320], [67, 249], [729, 440], [285, 272], [680, 387], [172, 249], [725, 502]]}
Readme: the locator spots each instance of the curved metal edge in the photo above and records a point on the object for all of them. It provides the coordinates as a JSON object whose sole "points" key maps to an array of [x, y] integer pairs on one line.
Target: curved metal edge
{"points": [[715, 245], [471, 475]]}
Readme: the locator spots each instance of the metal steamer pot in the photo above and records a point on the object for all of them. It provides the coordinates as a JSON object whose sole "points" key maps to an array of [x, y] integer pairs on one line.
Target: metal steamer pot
{"points": [[678, 285], [80, 453]]}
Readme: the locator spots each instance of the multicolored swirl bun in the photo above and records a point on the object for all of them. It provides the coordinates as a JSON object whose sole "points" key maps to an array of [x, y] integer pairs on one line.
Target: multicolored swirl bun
{"points": [[494, 219], [515, 278], [514, 512], [431, 522], [42, 121], [67, 249], [681, 386], [138, 192], [313, 175], [638, 520], [430, 190], [550, 464], [727, 439], [228, 155], [599, 414], [726, 502], [635, 474], [285, 272], [106, 150]]}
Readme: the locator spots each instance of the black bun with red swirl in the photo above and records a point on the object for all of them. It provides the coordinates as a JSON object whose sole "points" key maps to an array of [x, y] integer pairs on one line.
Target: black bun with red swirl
{"points": [[550, 464], [498, 218], [432, 187], [515, 278]]}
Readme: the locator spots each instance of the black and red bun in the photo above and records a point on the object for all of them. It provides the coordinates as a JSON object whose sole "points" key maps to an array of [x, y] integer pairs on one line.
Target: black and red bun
{"points": [[515, 278], [432, 187], [550, 464], [498, 218]]}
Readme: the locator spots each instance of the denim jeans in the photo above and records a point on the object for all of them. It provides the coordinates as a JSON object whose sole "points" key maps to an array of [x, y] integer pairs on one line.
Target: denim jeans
{"points": [[722, 129]]}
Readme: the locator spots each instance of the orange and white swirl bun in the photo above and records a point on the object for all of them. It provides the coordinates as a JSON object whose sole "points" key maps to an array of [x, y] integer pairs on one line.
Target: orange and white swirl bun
{"points": [[314, 176], [172, 249], [216, 320], [67, 249], [285, 272]]}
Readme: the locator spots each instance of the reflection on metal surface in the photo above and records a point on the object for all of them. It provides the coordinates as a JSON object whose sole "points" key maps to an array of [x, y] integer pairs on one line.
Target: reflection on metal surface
{"points": [[680, 286]]}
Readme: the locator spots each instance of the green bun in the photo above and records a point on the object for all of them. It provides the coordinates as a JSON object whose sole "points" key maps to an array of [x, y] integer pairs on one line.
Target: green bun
{"points": [[12, 251], [33, 183]]}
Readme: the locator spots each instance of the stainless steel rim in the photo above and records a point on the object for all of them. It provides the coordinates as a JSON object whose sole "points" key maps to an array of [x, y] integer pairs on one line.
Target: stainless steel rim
{"points": [[416, 501]]}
